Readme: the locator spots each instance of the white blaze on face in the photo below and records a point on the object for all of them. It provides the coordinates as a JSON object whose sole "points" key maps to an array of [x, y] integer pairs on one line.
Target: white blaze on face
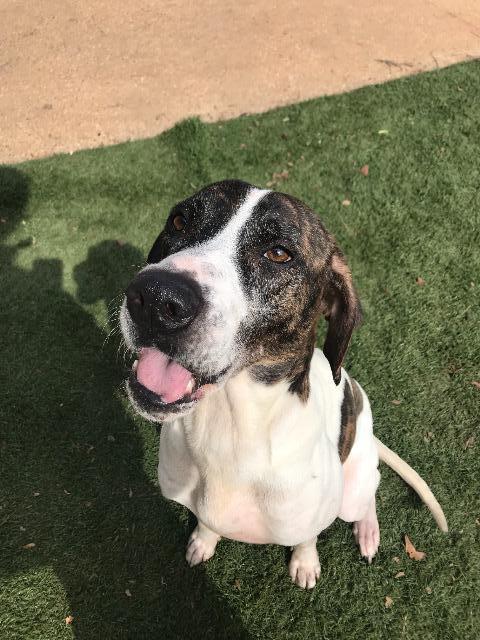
{"points": [[213, 265]]}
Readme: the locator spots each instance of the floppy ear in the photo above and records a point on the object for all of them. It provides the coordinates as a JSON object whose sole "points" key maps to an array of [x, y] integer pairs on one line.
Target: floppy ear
{"points": [[157, 252], [343, 312]]}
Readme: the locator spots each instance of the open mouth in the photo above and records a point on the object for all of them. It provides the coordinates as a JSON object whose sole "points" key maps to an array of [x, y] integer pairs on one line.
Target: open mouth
{"points": [[160, 385]]}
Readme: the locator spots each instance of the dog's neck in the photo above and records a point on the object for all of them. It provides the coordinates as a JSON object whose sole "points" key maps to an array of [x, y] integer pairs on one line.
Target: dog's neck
{"points": [[245, 405]]}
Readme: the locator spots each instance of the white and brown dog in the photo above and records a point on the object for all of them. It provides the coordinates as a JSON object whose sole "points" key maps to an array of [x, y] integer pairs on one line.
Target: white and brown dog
{"points": [[267, 439]]}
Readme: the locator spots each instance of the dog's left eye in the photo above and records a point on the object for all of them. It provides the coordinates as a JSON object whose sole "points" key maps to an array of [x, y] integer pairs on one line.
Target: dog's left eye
{"points": [[179, 222], [277, 254]]}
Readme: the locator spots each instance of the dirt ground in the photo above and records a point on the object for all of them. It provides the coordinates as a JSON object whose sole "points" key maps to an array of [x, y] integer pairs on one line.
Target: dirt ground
{"points": [[84, 74]]}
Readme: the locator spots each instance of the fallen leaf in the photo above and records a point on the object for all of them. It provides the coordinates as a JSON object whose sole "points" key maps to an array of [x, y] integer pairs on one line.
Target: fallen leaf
{"points": [[420, 281], [120, 243], [3, 220], [469, 442], [396, 402], [69, 620], [281, 175], [477, 522], [400, 574], [383, 132], [428, 590], [22, 528], [36, 493], [237, 584], [413, 554], [346, 203], [29, 545], [130, 493], [243, 146], [476, 383], [110, 438], [396, 559], [388, 602], [128, 593], [364, 170]]}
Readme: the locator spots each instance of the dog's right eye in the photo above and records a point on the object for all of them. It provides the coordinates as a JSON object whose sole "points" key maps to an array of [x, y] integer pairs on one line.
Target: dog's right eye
{"points": [[179, 222]]}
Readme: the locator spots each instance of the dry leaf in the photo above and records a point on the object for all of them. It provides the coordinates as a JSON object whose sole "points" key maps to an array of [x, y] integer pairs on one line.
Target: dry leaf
{"points": [[282, 175], [30, 545], [346, 203], [428, 590], [396, 559], [111, 438], [120, 243], [396, 402], [364, 170], [243, 146], [69, 620], [413, 554], [383, 132], [400, 574], [388, 602], [3, 220], [36, 493], [130, 493], [476, 383], [420, 281], [477, 522], [469, 442], [237, 584], [128, 593]]}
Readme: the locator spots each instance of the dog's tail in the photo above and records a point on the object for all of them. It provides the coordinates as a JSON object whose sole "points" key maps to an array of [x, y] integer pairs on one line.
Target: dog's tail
{"points": [[412, 478]]}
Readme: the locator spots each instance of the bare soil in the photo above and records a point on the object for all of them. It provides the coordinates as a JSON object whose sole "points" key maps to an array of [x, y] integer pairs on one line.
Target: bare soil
{"points": [[85, 74]]}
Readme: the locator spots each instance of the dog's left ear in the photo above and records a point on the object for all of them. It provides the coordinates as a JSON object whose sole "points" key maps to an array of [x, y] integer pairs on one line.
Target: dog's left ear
{"points": [[341, 308]]}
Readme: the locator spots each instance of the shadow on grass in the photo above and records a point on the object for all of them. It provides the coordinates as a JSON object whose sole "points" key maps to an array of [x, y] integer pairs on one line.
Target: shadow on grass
{"points": [[72, 460]]}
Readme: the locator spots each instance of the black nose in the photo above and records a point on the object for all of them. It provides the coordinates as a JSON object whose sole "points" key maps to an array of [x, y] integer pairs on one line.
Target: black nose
{"points": [[163, 301]]}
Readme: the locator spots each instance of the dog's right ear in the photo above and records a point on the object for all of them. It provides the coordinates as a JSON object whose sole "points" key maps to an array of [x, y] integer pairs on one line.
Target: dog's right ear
{"points": [[158, 251], [341, 307]]}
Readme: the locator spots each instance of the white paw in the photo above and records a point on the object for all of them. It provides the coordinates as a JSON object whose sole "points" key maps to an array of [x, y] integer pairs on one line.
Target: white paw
{"points": [[304, 567], [200, 548], [367, 535]]}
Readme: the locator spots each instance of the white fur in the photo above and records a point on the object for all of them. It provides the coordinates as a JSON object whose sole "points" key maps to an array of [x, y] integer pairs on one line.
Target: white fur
{"points": [[256, 464]]}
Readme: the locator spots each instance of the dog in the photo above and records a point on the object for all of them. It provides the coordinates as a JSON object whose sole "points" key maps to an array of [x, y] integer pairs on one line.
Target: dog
{"points": [[266, 438]]}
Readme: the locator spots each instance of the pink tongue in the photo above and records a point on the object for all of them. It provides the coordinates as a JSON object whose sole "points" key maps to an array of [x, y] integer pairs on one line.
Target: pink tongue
{"points": [[166, 378]]}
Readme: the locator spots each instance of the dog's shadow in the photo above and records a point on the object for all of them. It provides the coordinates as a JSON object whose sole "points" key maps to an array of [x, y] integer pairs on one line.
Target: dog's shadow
{"points": [[77, 479]]}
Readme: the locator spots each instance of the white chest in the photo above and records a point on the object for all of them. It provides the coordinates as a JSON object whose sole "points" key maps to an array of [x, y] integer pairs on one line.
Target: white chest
{"points": [[253, 464]]}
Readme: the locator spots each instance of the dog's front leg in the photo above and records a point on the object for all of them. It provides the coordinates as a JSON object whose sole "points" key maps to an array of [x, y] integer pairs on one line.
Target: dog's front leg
{"points": [[201, 545], [304, 567]]}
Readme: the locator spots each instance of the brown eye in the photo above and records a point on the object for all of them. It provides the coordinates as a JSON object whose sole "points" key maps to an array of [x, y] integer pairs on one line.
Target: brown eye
{"points": [[179, 222], [278, 254]]}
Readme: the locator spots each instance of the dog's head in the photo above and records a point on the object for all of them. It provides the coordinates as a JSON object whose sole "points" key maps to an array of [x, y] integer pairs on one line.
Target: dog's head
{"points": [[237, 279]]}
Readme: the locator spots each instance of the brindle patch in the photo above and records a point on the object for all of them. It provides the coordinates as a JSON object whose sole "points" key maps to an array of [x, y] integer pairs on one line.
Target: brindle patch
{"points": [[291, 297], [352, 405]]}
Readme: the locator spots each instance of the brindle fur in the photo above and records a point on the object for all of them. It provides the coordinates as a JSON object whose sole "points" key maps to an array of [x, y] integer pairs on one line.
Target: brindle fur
{"points": [[352, 406]]}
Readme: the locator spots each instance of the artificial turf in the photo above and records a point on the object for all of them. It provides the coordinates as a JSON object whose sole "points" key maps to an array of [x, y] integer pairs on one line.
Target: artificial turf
{"points": [[78, 469]]}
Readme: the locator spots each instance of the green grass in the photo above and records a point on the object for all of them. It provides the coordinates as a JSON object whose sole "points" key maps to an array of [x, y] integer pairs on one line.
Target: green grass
{"points": [[77, 468]]}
